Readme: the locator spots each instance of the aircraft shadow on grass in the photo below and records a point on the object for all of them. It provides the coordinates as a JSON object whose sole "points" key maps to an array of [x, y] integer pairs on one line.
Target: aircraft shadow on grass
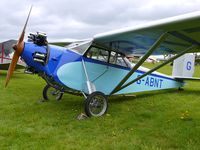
{"points": [[141, 96]]}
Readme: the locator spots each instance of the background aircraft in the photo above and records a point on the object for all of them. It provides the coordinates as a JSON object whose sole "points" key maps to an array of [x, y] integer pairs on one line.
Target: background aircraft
{"points": [[6, 54], [98, 67]]}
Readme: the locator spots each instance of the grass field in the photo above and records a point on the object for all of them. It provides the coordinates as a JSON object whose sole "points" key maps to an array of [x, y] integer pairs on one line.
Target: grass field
{"points": [[150, 121]]}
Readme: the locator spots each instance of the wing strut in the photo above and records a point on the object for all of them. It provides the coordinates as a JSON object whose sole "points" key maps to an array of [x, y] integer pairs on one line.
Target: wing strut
{"points": [[91, 87], [157, 67], [141, 61]]}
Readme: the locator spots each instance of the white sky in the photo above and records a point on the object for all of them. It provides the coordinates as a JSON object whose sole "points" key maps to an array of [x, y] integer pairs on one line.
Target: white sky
{"points": [[78, 19]]}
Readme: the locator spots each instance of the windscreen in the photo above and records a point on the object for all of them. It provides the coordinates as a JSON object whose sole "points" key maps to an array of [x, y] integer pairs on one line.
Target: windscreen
{"points": [[79, 47]]}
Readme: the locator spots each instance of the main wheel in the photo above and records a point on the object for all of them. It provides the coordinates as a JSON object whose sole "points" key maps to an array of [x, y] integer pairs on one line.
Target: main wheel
{"points": [[50, 93], [96, 104]]}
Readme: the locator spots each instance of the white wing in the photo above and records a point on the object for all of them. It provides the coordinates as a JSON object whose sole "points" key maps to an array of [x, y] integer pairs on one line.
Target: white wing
{"points": [[184, 31]]}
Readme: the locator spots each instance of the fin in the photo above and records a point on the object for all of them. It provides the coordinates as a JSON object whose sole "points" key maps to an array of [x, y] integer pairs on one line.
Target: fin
{"points": [[183, 67]]}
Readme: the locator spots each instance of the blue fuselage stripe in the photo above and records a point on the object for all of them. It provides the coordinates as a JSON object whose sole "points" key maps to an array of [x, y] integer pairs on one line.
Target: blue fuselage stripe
{"points": [[124, 68]]}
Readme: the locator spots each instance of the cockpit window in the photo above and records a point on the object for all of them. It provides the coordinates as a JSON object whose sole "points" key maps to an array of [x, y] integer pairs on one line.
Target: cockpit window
{"points": [[103, 55], [117, 59], [98, 54]]}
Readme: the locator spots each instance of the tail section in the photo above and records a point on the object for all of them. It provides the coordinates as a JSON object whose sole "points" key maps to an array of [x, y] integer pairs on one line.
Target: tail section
{"points": [[183, 67]]}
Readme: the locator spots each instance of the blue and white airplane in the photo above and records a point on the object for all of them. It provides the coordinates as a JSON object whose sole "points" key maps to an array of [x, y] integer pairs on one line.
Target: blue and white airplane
{"points": [[98, 67]]}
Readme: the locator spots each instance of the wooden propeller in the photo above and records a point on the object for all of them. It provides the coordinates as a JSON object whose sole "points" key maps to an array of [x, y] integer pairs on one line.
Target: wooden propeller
{"points": [[18, 47]]}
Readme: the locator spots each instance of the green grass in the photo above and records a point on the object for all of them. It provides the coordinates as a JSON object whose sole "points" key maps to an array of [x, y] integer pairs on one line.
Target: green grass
{"points": [[151, 121]]}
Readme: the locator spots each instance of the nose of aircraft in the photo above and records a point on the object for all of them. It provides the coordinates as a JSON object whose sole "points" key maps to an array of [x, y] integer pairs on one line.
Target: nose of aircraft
{"points": [[18, 47], [35, 56]]}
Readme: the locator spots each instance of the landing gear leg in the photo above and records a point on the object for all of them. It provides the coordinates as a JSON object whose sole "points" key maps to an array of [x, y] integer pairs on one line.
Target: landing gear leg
{"points": [[96, 104], [50, 93]]}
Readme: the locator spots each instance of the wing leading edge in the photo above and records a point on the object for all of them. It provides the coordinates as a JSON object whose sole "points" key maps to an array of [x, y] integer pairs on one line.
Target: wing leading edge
{"points": [[183, 31]]}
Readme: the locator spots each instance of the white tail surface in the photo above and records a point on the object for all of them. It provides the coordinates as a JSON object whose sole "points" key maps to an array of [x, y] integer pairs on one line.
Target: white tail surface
{"points": [[184, 66]]}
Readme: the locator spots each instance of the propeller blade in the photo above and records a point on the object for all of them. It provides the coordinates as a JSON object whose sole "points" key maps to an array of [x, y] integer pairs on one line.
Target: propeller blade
{"points": [[18, 50], [21, 38], [12, 67]]}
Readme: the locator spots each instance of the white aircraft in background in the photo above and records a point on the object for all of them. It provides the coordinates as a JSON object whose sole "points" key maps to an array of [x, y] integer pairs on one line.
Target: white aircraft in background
{"points": [[6, 55]]}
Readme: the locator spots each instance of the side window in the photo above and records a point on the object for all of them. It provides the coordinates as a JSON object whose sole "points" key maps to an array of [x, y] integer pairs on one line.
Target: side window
{"points": [[120, 61], [98, 54], [113, 57], [117, 59]]}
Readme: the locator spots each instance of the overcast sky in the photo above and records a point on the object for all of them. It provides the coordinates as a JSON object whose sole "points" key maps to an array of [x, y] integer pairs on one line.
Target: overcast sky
{"points": [[78, 19]]}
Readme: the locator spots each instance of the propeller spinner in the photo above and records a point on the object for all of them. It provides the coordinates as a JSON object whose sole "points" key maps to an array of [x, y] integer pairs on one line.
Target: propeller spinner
{"points": [[18, 47]]}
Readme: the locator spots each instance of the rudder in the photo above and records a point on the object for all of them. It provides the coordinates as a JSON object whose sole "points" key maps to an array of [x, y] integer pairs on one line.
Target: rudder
{"points": [[184, 66]]}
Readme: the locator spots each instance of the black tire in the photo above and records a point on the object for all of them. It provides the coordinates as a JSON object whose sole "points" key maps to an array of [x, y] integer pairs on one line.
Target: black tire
{"points": [[96, 100], [54, 93]]}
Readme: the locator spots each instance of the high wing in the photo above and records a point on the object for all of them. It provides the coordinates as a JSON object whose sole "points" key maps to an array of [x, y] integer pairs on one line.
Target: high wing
{"points": [[67, 42], [182, 32], [177, 35]]}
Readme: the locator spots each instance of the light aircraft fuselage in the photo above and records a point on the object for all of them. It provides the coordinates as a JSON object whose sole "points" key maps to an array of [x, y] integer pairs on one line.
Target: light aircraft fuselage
{"points": [[65, 68]]}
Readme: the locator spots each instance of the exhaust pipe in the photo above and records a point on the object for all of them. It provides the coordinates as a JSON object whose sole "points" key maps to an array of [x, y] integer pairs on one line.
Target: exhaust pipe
{"points": [[39, 57]]}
